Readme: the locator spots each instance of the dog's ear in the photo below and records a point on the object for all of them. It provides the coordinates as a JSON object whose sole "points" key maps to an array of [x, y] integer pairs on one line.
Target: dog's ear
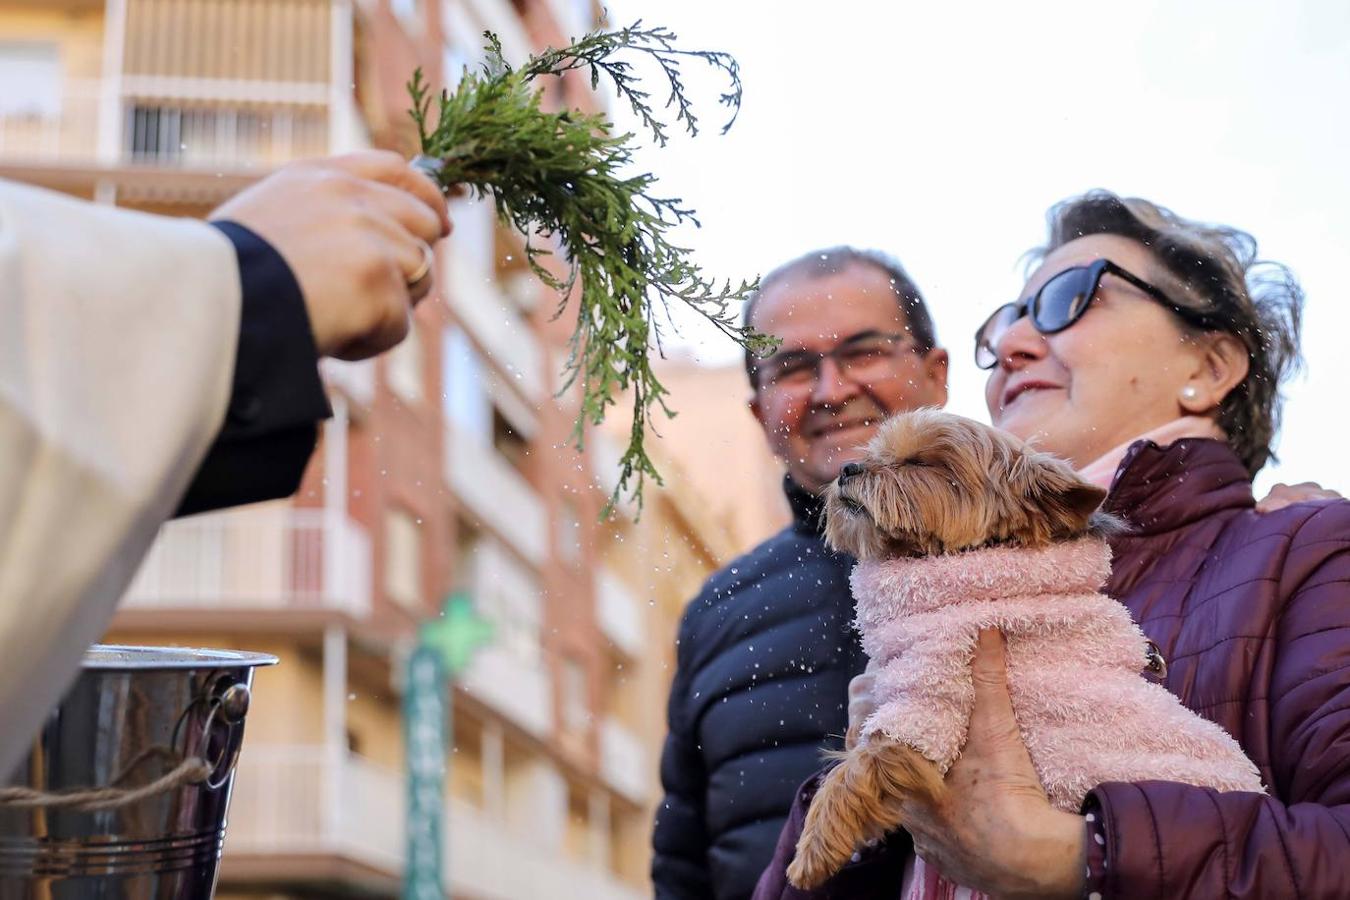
{"points": [[1061, 495]]}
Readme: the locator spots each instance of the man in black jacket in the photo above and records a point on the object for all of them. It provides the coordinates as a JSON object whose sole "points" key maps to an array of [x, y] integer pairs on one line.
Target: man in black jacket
{"points": [[766, 650]]}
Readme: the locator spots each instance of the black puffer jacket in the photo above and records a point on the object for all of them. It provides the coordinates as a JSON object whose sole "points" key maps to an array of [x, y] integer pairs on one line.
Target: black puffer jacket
{"points": [[766, 651]]}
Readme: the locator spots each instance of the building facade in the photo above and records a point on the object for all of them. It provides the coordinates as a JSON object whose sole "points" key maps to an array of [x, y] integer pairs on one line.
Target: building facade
{"points": [[721, 449], [445, 467]]}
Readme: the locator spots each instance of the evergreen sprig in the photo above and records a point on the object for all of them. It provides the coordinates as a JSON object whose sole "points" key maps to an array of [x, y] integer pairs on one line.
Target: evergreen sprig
{"points": [[559, 177]]}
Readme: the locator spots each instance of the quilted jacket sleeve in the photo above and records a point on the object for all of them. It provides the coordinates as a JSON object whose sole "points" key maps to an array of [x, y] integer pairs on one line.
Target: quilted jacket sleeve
{"points": [[1171, 840], [680, 837]]}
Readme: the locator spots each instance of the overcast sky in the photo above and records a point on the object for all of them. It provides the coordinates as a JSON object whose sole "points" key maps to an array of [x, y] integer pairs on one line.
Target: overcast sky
{"points": [[941, 132]]}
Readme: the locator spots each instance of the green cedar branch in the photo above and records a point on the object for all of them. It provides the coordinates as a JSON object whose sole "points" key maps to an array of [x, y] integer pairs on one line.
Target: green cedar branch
{"points": [[561, 179]]}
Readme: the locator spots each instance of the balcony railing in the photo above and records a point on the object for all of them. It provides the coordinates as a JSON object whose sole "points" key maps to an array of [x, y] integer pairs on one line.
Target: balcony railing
{"points": [[355, 379], [520, 690], [173, 132], [272, 557], [478, 301], [200, 136], [488, 859], [63, 133], [496, 493], [618, 614], [623, 761], [315, 800]]}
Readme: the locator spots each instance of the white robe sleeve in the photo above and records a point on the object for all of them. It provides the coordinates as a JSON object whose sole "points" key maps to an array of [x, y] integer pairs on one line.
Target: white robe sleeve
{"points": [[117, 342]]}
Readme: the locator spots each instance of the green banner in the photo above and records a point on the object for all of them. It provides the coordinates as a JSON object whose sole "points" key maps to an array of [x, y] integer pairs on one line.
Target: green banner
{"points": [[445, 647], [425, 720]]}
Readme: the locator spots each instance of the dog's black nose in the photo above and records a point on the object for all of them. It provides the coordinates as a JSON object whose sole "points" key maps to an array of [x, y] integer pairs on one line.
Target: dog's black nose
{"points": [[849, 470]]}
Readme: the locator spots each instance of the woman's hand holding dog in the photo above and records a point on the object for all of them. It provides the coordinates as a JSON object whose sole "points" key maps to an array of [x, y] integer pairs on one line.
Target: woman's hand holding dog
{"points": [[860, 703], [1282, 495], [996, 831]]}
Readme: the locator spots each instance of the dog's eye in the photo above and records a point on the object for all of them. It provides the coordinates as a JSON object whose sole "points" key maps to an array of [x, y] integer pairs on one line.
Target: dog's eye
{"points": [[916, 461]]}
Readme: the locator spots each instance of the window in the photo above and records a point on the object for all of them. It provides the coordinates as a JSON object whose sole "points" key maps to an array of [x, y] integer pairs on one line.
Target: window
{"points": [[155, 133], [403, 371], [503, 590], [464, 396], [409, 12], [475, 233], [576, 711], [31, 74], [468, 541], [454, 62], [463, 32], [569, 533], [403, 559], [581, 16], [509, 442]]}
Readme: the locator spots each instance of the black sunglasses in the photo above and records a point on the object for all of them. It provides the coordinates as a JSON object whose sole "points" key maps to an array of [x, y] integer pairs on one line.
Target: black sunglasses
{"points": [[1061, 301]]}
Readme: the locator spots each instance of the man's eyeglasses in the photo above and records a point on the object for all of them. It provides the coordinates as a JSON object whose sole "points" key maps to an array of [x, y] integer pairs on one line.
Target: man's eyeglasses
{"points": [[1061, 302], [858, 358]]}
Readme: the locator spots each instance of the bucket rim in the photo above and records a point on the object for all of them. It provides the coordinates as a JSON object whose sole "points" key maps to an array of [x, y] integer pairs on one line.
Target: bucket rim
{"points": [[129, 657]]}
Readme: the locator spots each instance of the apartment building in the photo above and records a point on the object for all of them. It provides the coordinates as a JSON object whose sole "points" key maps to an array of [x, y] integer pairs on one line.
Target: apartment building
{"points": [[721, 449], [444, 468]]}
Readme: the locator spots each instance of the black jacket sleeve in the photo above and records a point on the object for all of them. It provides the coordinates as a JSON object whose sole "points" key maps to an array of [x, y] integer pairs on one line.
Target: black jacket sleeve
{"points": [[277, 397], [680, 839]]}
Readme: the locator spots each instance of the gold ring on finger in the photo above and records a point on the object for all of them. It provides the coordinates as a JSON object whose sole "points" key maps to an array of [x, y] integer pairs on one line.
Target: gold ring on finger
{"points": [[417, 282]]}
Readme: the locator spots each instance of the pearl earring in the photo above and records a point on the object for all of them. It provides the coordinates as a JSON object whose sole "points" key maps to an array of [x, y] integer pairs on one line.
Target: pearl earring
{"points": [[1190, 393]]}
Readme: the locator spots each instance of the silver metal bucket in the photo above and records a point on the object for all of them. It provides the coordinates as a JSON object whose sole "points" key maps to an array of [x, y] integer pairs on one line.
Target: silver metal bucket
{"points": [[131, 714]]}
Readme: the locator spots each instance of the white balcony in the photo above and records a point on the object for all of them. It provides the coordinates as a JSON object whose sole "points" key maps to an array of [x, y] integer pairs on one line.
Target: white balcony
{"points": [[355, 379], [266, 557], [61, 128], [507, 592], [508, 674], [619, 614], [497, 16], [493, 318], [487, 859], [623, 761], [186, 134], [513, 686], [168, 126], [573, 19], [307, 800], [605, 452], [496, 493]]}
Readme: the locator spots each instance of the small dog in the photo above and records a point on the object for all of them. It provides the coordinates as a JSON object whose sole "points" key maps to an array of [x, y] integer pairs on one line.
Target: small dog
{"points": [[958, 527]]}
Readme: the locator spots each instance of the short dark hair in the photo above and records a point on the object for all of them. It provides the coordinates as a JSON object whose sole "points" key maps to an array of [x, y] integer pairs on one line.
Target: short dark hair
{"points": [[832, 261], [1212, 269]]}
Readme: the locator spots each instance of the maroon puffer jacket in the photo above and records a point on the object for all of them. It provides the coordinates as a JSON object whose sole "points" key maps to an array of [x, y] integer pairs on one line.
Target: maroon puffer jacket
{"points": [[1252, 613]]}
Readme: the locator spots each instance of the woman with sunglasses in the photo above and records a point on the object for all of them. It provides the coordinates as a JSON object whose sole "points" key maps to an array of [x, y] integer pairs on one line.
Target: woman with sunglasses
{"points": [[1148, 350]]}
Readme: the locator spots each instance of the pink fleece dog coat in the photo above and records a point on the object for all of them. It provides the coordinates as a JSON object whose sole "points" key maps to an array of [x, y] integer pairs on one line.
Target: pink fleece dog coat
{"points": [[1074, 658]]}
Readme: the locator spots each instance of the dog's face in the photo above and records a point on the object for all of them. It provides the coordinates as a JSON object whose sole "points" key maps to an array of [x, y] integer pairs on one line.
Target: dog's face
{"points": [[933, 482]]}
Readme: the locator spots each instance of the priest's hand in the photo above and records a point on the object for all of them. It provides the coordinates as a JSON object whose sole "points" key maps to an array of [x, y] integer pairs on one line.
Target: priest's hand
{"points": [[356, 231]]}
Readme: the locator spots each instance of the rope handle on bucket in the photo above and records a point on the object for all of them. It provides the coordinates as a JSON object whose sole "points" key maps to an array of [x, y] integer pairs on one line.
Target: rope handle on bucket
{"points": [[232, 705], [192, 770]]}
